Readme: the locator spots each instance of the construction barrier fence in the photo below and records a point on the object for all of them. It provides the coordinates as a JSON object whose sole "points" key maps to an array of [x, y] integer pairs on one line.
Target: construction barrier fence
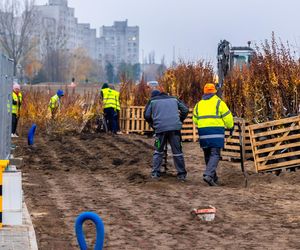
{"points": [[6, 81]]}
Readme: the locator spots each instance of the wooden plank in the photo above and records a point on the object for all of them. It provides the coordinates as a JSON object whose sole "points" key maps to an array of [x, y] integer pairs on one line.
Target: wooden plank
{"points": [[231, 140], [279, 143], [232, 147], [277, 165], [275, 140], [281, 147], [232, 154], [138, 119], [279, 156], [274, 123], [190, 131], [252, 140], [277, 131]]}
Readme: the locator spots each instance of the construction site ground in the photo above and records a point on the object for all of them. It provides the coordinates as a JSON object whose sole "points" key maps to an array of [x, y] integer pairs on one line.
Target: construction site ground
{"points": [[69, 174]]}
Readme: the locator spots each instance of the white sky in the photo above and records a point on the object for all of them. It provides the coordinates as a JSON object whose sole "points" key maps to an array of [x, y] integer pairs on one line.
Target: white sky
{"points": [[195, 27]]}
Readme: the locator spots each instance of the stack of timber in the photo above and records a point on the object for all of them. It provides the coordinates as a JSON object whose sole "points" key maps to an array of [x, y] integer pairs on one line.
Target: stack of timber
{"points": [[276, 144]]}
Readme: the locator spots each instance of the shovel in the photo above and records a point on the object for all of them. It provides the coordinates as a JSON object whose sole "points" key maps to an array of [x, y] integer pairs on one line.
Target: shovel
{"points": [[242, 154]]}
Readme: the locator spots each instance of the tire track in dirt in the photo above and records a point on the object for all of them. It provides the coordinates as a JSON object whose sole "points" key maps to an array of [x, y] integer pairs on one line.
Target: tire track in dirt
{"points": [[149, 213], [142, 214], [39, 200], [112, 196]]}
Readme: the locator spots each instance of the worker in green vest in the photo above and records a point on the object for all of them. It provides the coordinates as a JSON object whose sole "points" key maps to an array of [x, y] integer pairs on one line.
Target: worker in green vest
{"points": [[55, 103], [109, 107], [17, 99]]}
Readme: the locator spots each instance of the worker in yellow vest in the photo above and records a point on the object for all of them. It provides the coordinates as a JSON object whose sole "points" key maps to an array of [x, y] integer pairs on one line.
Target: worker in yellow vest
{"points": [[55, 103], [118, 109], [109, 107], [211, 115], [17, 99]]}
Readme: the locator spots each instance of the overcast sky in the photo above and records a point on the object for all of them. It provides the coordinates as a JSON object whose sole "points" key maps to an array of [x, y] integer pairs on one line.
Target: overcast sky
{"points": [[194, 27]]}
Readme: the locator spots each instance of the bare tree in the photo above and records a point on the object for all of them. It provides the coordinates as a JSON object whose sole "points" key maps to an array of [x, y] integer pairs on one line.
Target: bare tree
{"points": [[16, 28]]}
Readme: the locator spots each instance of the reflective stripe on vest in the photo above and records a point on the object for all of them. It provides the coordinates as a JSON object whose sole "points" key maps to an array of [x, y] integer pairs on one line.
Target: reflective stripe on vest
{"points": [[211, 116], [211, 136]]}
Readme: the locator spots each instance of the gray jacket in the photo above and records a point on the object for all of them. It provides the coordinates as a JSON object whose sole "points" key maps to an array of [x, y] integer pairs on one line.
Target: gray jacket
{"points": [[165, 113]]}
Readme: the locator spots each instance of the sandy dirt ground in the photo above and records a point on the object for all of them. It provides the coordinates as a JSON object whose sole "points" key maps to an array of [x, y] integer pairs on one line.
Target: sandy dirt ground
{"points": [[66, 175]]}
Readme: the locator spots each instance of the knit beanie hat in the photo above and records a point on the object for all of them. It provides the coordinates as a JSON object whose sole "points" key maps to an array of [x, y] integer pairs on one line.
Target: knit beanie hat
{"points": [[155, 93], [104, 86], [210, 88]]}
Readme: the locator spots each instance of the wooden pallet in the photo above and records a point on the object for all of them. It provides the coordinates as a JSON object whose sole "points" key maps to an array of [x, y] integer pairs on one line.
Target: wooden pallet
{"points": [[132, 120], [231, 149], [276, 144], [189, 131]]}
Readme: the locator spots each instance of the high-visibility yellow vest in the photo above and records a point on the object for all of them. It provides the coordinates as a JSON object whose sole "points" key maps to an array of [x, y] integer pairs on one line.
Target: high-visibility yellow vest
{"points": [[54, 102], [211, 117], [212, 113], [109, 98], [17, 102]]}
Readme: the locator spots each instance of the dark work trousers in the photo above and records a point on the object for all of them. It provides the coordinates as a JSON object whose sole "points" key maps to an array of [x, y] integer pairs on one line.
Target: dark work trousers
{"points": [[14, 124], [174, 139], [110, 117], [212, 157]]}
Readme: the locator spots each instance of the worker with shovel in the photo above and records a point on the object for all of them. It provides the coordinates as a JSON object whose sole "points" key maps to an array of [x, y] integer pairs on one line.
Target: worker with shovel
{"points": [[166, 114], [211, 115]]}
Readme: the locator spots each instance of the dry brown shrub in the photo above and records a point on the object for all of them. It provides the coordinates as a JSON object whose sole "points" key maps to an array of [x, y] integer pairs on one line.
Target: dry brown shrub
{"points": [[75, 110], [269, 88]]}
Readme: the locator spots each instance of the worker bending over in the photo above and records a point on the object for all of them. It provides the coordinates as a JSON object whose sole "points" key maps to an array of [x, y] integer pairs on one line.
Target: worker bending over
{"points": [[55, 103], [166, 114], [211, 115]]}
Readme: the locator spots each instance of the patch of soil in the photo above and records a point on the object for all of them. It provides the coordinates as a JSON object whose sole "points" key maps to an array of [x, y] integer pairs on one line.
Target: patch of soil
{"points": [[66, 175]]}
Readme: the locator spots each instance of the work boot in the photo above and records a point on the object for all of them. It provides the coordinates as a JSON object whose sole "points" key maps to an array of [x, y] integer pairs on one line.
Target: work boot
{"points": [[155, 176], [216, 179], [210, 181], [181, 178]]}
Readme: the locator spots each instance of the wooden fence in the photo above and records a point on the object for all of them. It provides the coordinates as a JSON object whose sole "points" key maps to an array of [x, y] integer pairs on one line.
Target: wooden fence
{"points": [[132, 121], [232, 148], [276, 144]]}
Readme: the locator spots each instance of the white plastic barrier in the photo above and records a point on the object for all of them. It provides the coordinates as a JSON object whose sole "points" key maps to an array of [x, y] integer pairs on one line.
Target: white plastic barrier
{"points": [[12, 198]]}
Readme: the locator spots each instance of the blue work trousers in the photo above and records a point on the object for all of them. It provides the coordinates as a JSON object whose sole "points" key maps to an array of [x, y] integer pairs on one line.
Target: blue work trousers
{"points": [[212, 157], [111, 119]]}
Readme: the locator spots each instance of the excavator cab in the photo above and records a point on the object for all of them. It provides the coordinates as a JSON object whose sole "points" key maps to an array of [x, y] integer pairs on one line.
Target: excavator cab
{"points": [[240, 56], [231, 57]]}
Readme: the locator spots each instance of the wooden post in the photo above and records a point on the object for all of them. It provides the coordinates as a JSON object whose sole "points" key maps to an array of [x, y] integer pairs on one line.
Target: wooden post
{"points": [[127, 120], [138, 121]]}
